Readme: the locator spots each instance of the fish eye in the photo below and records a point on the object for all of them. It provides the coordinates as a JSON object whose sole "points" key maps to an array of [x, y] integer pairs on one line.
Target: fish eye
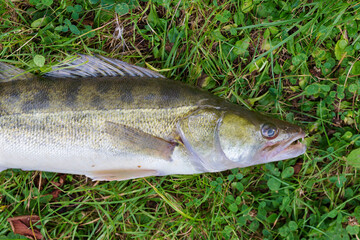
{"points": [[269, 131]]}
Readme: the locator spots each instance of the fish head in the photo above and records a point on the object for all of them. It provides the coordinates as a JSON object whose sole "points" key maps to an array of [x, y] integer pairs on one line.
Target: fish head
{"points": [[247, 138], [224, 138]]}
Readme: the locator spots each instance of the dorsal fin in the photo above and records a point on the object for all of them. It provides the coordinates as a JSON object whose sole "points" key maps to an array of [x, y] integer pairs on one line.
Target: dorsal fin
{"points": [[10, 73], [99, 66]]}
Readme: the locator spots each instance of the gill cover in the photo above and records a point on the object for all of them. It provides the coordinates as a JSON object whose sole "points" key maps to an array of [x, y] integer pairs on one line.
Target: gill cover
{"points": [[211, 137]]}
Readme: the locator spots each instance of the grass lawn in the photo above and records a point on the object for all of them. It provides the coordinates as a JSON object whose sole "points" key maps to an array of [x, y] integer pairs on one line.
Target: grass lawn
{"points": [[295, 60]]}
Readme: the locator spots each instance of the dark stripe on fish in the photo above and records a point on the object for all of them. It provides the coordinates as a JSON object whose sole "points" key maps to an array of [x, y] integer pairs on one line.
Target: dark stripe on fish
{"points": [[103, 88], [97, 103], [41, 100], [126, 94], [72, 91]]}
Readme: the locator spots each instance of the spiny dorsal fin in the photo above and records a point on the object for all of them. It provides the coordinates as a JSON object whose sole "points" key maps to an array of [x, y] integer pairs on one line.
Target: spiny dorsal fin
{"points": [[10, 73], [99, 66]]}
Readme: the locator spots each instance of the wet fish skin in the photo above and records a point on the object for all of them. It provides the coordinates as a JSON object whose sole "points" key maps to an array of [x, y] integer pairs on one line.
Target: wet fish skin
{"points": [[129, 125]]}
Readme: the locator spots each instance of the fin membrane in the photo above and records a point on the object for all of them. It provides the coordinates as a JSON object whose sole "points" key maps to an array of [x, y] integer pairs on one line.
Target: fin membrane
{"points": [[99, 66], [10, 73], [139, 142], [122, 174]]}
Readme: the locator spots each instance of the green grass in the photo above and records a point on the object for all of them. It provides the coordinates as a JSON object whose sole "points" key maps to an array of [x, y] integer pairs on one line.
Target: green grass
{"points": [[294, 60]]}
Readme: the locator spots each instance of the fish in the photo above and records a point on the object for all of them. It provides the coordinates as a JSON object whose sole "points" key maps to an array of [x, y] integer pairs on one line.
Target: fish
{"points": [[110, 120]]}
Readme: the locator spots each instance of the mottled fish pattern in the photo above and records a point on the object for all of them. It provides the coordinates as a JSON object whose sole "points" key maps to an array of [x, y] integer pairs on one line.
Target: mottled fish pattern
{"points": [[111, 120]]}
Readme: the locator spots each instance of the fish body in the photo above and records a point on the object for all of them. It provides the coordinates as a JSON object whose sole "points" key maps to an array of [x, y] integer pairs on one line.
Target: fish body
{"points": [[109, 120]]}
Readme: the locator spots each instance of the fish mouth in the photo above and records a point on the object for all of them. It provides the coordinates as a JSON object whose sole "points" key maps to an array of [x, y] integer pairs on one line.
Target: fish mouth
{"points": [[286, 149]]}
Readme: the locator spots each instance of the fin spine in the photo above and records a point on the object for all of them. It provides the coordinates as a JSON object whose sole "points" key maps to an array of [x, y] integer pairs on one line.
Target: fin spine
{"points": [[99, 66]]}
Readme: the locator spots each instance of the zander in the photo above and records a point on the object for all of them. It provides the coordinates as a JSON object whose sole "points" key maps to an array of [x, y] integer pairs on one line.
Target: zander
{"points": [[109, 120]]}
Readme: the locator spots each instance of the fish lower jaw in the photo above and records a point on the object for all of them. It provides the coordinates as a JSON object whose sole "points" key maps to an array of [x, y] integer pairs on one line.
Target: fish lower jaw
{"points": [[290, 148], [295, 149]]}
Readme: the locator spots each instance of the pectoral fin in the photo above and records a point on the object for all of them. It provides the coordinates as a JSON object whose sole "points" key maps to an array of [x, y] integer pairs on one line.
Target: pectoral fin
{"points": [[121, 174], [138, 141]]}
